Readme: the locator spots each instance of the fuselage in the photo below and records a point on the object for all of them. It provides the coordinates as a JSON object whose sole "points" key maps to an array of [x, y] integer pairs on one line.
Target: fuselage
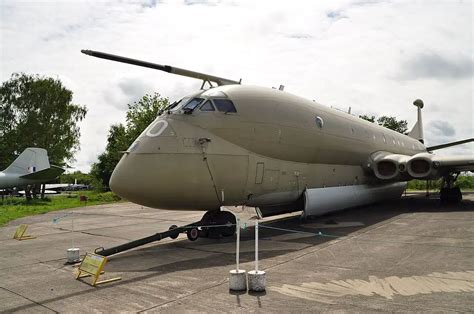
{"points": [[13, 180], [268, 152]]}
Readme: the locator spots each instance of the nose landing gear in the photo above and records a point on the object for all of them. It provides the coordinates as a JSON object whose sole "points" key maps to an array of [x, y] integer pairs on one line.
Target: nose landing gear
{"points": [[214, 224], [218, 224]]}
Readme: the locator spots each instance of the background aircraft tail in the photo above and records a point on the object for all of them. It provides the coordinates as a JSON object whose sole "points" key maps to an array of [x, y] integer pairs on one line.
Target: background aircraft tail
{"points": [[31, 160]]}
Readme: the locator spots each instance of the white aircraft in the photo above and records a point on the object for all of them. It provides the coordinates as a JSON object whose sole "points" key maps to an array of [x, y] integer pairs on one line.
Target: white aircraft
{"points": [[32, 166]]}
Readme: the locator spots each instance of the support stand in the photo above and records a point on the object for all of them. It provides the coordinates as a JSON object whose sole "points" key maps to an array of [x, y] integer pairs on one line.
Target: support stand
{"points": [[92, 266], [20, 233]]}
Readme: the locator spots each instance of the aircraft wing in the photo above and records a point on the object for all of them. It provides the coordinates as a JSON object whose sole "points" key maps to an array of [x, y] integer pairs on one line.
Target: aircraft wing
{"points": [[432, 148], [449, 164], [44, 175]]}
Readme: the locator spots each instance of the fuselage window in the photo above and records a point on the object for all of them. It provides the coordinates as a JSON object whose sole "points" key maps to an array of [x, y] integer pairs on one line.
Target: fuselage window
{"points": [[193, 104], [224, 105], [384, 139], [207, 106]]}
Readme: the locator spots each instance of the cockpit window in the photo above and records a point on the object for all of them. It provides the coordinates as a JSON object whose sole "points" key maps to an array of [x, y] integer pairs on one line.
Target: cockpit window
{"points": [[224, 105], [177, 104], [193, 104], [207, 106]]}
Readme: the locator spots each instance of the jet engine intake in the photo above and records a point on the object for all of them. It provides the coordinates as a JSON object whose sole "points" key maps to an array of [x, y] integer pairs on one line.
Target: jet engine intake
{"points": [[387, 166], [422, 166]]}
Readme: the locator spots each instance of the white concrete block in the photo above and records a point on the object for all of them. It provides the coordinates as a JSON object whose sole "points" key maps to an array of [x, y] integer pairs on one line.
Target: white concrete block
{"points": [[237, 280], [256, 280], [73, 255]]}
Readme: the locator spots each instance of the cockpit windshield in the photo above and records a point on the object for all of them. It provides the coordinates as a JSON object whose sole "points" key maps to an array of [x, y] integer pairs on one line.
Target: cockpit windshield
{"points": [[190, 106], [177, 104]]}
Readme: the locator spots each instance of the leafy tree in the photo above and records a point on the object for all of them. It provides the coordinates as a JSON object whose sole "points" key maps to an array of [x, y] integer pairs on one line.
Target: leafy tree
{"points": [[37, 111], [117, 142], [368, 118], [139, 115], [393, 124], [82, 178], [388, 122]]}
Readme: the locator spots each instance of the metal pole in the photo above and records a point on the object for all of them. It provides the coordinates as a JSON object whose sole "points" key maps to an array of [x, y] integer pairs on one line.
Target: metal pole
{"points": [[238, 245], [72, 228], [256, 246]]}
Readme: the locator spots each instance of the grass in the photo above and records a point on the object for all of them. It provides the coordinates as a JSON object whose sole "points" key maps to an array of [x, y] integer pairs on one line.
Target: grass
{"points": [[13, 208]]}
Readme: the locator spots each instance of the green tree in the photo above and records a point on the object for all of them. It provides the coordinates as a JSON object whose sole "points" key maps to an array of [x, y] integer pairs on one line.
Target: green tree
{"points": [[139, 115], [37, 111], [368, 118], [82, 178], [388, 122], [393, 124]]}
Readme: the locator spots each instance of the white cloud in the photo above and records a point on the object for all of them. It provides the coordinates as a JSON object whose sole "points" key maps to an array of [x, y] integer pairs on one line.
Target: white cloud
{"points": [[375, 56]]}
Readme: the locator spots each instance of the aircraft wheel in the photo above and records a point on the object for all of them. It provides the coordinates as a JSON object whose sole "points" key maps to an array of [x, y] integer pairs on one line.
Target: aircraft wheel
{"points": [[224, 219], [443, 195], [174, 236], [457, 195], [193, 234], [451, 195], [217, 217]]}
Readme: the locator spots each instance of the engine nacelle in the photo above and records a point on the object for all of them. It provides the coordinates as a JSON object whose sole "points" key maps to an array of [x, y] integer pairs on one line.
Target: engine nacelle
{"points": [[423, 166], [388, 166]]}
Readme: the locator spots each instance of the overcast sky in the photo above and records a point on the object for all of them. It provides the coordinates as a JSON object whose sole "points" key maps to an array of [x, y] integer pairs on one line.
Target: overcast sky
{"points": [[374, 56]]}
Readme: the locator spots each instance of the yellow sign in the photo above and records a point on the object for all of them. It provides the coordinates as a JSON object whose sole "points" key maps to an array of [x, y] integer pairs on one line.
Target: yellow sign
{"points": [[20, 233], [92, 265]]}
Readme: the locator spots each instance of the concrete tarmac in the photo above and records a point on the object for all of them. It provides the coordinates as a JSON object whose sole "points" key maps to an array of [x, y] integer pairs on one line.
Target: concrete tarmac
{"points": [[408, 255]]}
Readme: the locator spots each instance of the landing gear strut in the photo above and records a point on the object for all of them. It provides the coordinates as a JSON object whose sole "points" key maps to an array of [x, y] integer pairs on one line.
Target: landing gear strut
{"points": [[449, 193]]}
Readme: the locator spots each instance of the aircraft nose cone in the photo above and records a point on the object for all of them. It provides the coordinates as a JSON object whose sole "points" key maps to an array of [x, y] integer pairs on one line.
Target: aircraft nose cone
{"points": [[118, 182], [167, 181]]}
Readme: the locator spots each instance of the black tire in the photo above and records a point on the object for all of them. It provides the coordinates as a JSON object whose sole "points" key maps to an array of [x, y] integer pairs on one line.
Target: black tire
{"points": [[443, 195], [227, 218], [193, 234], [175, 235], [217, 217], [457, 195]]}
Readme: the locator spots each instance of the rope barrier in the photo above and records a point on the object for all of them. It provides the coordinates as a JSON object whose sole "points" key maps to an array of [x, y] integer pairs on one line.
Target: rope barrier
{"points": [[304, 232], [56, 219], [264, 226]]}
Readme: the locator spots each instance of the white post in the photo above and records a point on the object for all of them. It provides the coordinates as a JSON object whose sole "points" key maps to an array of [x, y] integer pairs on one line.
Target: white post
{"points": [[237, 277], [256, 278], [72, 229], [73, 254], [256, 245], [237, 255]]}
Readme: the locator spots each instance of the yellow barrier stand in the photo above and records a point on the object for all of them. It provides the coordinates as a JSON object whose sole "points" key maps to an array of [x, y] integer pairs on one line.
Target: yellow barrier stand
{"points": [[93, 265], [20, 233]]}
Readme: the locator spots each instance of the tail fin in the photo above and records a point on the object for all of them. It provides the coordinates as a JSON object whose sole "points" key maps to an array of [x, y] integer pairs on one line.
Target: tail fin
{"points": [[417, 130], [31, 160]]}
